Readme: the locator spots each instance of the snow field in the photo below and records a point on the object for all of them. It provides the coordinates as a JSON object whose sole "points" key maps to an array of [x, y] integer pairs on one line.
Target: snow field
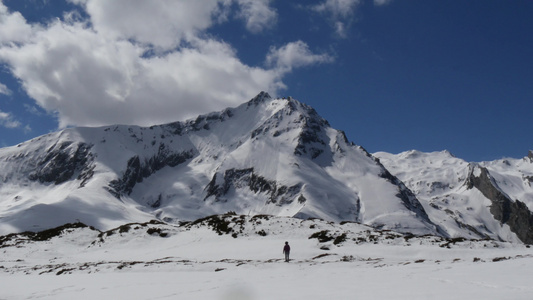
{"points": [[278, 280], [195, 262]]}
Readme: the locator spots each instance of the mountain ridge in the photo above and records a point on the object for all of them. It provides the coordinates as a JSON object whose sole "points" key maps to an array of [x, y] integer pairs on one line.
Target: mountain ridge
{"points": [[266, 156], [480, 200]]}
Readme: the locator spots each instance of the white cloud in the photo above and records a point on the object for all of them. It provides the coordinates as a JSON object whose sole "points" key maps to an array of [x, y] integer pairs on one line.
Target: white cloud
{"points": [[293, 55], [13, 26], [32, 109], [382, 2], [66, 66], [96, 71], [90, 80], [4, 89], [258, 14], [340, 29], [164, 23], [337, 8], [7, 120], [78, 2], [340, 12]]}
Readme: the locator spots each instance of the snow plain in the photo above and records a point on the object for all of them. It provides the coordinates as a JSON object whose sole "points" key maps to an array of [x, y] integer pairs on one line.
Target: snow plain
{"points": [[195, 262]]}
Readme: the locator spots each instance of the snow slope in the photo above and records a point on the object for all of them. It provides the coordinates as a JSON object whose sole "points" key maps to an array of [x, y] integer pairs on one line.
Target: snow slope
{"points": [[239, 257], [267, 156], [443, 185]]}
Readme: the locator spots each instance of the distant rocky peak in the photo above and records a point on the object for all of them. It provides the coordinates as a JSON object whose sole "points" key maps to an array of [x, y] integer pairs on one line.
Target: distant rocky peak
{"points": [[206, 121], [307, 111], [478, 177], [530, 156], [290, 104], [411, 154], [260, 98], [448, 153], [507, 211]]}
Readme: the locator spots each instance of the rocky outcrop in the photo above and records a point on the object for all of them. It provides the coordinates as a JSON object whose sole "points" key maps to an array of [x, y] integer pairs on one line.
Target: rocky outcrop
{"points": [[312, 140], [513, 213], [408, 198], [220, 185], [138, 169], [260, 98], [62, 162]]}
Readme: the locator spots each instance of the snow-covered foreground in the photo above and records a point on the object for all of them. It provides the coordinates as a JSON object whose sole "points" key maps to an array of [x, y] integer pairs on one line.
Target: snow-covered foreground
{"points": [[295, 280], [349, 261]]}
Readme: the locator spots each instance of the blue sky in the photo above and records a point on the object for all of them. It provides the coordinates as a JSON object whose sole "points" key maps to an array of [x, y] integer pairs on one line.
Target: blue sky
{"points": [[395, 75]]}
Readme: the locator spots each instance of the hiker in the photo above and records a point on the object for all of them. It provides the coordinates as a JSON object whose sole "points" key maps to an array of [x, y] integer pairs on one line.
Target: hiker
{"points": [[287, 251]]}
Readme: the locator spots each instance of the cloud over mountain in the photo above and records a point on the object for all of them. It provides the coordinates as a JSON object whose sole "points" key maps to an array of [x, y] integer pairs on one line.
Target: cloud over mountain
{"points": [[100, 65]]}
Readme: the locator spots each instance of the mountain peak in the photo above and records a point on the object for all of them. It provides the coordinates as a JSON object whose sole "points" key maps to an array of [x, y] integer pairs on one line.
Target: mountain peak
{"points": [[260, 98], [266, 156]]}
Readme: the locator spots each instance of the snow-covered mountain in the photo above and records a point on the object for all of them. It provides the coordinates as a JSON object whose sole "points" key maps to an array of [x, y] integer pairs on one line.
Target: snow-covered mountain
{"points": [[478, 200], [267, 156]]}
